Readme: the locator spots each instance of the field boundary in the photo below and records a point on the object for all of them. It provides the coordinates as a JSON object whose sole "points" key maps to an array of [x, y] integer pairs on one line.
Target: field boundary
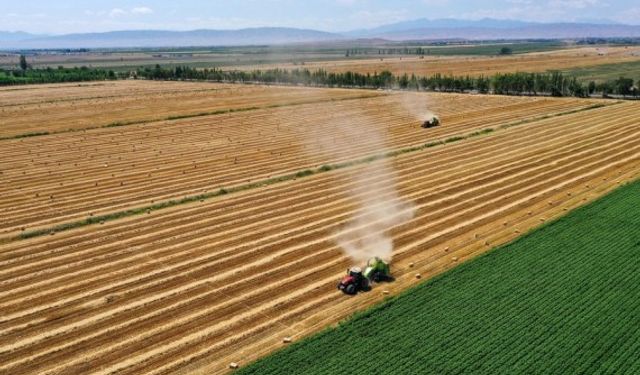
{"points": [[101, 219]]}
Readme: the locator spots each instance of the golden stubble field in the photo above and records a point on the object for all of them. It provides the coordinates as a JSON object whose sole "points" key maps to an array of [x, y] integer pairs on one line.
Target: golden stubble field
{"points": [[63, 107], [191, 288], [474, 65]]}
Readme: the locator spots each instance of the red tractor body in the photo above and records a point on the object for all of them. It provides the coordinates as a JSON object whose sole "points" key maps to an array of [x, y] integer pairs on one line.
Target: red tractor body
{"points": [[353, 282]]}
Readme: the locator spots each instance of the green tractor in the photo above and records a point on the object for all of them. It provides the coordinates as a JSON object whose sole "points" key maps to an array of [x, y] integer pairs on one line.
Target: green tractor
{"points": [[377, 270]]}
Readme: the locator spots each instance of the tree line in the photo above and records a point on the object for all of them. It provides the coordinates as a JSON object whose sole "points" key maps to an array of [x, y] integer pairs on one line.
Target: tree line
{"points": [[50, 75], [419, 51], [533, 84]]}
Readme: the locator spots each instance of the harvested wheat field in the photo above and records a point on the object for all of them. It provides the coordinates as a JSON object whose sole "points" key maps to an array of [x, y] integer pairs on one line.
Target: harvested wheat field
{"points": [[195, 286], [476, 65], [66, 107], [57, 179]]}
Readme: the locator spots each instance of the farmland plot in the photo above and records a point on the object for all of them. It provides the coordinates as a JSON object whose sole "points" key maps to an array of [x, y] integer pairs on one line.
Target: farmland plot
{"points": [[56, 179], [477, 66], [560, 300], [65, 107], [191, 288]]}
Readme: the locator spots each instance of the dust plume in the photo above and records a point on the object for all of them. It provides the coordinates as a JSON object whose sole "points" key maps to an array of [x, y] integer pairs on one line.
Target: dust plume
{"points": [[417, 105], [378, 207]]}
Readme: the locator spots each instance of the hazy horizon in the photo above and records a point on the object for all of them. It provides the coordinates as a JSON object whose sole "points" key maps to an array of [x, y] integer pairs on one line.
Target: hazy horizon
{"points": [[43, 17]]}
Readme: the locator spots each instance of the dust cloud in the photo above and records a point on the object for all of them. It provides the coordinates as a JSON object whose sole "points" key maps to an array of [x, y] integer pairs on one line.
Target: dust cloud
{"points": [[417, 105], [379, 208], [372, 185]]}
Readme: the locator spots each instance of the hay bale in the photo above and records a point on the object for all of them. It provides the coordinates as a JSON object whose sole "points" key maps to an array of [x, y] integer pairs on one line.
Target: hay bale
{"points": [[233, 365], [418, 276], [287, 340], [411, 264], [455, 259]]}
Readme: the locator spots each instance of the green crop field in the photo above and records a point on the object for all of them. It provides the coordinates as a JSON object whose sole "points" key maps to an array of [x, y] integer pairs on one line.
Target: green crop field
{"points": [[490, 49], [563, 299], [606, 72]]}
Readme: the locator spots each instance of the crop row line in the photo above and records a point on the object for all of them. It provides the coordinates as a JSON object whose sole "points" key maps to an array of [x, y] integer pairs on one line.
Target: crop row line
{"points": [[283, 178], [185, 116]]}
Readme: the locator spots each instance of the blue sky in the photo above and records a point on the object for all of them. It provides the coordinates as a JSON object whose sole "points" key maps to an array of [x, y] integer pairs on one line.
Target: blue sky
{"points": [[60, 17]]}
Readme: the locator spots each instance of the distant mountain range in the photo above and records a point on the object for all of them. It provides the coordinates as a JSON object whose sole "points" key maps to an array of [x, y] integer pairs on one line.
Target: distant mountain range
{"points": [[487, 29], [7, 36], [444, 24], [421, 29], [162, 38]]}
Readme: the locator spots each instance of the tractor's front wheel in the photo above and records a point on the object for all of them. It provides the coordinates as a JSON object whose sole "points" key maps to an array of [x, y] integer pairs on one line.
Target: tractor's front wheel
{"points": [[350, 289]]}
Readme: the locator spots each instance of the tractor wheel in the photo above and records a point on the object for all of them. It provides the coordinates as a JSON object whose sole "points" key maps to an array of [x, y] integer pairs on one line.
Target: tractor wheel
{"points": [[365, 284], [350, 289]]}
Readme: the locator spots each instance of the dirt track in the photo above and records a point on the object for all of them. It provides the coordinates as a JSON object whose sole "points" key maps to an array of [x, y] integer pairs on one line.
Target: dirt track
{"points": [[186, 290]]}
